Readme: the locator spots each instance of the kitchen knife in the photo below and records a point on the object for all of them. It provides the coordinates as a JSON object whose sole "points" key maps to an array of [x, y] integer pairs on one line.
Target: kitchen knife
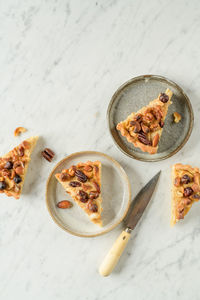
{"points": [[134, 214]]}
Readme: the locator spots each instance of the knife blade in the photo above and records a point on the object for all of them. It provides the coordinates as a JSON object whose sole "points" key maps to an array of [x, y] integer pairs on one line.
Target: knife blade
{"points": [[135, 212]]}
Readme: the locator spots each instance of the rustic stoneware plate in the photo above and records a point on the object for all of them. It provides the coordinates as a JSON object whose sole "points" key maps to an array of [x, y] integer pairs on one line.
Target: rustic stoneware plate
{"points": [[138, 92], [115, 193]]}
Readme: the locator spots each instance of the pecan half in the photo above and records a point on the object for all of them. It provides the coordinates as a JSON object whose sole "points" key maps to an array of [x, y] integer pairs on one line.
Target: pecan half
{"points": [[48, 154], [138, 118], [155, 140], [196, 188], [92, 206], [81, 176], [177, 181], [64, 204], [88, 168], [64, 176], [97, 187], [185, 179], [143, 139], [136, 125], [164, 98], [19, 170], [26, 144], [162, 123], [196, 178], [188, 191], [93, 195], [145, 128]]}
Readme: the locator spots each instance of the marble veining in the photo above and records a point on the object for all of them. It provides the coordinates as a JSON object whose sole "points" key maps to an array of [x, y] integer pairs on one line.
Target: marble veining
{"points": [[60, 63]]}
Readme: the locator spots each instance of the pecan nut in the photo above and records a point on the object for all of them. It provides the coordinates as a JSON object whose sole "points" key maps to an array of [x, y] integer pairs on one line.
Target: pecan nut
{"points": [[177, 181], [19, 130], [136, 125], [155, 140], [145, 128], [72, 170], [83, 196], [88, 168], [97, 187], [143, 139], [81, 176], [185, 179], [93, 195], [64, 204], [48, 154], [164, 98], [92, 206]]}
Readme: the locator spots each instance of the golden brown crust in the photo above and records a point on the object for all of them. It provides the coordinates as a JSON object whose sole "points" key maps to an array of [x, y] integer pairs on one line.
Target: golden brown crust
{"points": [[13, 168], [156, 110], [83, 183], [185, 190]]}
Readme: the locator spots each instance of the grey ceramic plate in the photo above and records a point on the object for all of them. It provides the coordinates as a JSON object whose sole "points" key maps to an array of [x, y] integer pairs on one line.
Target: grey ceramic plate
{"points": [[138, 92], [115, 190]]}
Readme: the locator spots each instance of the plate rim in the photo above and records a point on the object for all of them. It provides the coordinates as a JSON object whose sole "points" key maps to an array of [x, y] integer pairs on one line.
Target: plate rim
{"points": [[126, 178], [163, 78]]}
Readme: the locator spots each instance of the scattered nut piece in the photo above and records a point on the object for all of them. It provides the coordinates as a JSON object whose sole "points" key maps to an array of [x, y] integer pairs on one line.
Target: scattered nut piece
{"points": [[48, 154], [177, 117], [64, 204], [19, 130]]}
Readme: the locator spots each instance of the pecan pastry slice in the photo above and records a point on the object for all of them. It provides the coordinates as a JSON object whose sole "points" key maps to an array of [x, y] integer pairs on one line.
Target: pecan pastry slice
{"points": [[83, 183], [144, 128], [185, 190], [13, 168]]}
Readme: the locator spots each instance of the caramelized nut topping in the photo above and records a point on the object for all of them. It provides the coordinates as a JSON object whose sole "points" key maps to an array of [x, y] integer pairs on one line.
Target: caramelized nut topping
{"points": [[19, 130], [19, 170], [136, 125], [162, 124], [145, 128], [196, 188], [83, 196]]}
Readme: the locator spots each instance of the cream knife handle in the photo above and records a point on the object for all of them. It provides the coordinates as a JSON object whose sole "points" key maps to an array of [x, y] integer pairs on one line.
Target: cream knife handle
{"points": [[114, 254]]}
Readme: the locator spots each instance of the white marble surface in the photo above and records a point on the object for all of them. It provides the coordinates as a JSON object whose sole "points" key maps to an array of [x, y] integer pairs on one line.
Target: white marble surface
{"points": [[60, 63]]}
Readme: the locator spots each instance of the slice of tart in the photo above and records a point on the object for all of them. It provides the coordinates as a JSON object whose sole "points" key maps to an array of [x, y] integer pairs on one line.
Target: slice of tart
{"points": [[185, 190], [144, 128], [13, 168], [83, 183]]}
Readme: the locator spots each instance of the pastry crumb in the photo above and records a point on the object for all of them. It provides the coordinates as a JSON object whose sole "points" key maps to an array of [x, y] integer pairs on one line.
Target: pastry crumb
{"points": [[19, 130], [177, 117]]}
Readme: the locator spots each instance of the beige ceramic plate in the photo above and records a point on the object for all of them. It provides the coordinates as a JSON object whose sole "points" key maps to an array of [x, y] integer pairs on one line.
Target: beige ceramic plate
{"points": [[136, 93], [115, 193]]}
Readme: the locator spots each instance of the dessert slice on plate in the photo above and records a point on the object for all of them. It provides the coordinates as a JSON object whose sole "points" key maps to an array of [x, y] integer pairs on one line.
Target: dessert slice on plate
{"points": [[83, 183], [13, 168], [144, 128], [185, 190]]}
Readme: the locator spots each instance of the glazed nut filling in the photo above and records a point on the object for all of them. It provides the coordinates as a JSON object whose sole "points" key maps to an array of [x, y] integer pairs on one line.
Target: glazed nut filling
{"points": [[83, 177], [12, 168], [187, 189], [144, 125]]}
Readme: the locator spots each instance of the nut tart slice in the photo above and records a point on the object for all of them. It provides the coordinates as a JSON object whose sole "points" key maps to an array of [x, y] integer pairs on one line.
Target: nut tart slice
{"points": [[83, 183], [144, 128], [13, 168], [185, 190]]}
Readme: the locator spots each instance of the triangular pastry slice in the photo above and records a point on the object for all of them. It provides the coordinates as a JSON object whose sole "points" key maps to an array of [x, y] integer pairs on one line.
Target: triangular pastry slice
{"points": [[185, 190], [13, 168], [83, 183], [144, 128]]}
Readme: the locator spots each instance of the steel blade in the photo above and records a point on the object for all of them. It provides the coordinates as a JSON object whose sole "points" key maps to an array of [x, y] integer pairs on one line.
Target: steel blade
{"points": [[140, 203]]}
